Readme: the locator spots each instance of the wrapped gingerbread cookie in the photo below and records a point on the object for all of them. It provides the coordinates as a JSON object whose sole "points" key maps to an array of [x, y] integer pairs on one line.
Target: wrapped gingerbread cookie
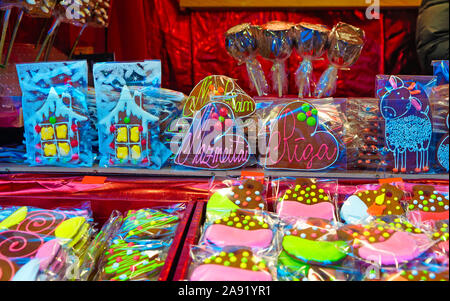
{"points": [[364, 136], [345, 45], [371, 201], [386, 241], [417, 272], [310, 42], [275, 43], [241, 44], [52, 242], [230, 264], [129, 135], [140, 246], [305, 198], [304, 135], [311, 242], [439, 97], [234, 194], [428, 203], [407, 121], [55, 113], [244, 228]]}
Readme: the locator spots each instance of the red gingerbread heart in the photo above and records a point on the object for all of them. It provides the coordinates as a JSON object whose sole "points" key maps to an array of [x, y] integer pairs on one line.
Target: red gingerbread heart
{"points": [[214, 140], [298, 142]]}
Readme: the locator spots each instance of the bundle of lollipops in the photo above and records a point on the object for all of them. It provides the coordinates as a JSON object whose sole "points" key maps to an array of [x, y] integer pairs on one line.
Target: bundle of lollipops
{"points": [[276, 40], [81, 13]]}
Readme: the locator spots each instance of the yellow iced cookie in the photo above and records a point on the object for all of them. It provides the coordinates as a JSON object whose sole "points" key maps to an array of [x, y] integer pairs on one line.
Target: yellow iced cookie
{"points": [[136, 152], [50, 150], [61, 131], [69, 228], [122, 134], [64, 149], [47, 133], [15, 218], [122, 152], [134, 136]]}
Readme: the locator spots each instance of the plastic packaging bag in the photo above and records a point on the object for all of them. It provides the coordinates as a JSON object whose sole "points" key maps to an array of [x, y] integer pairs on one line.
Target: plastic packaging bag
{"points": [[428, 203], [244, 228], [54, 102], [387, 241], [305, 136], [372, 200], [230, 264], [440, 143], [232, 194], [305, 198], [406, 111], [364, 136], [129, 135]]}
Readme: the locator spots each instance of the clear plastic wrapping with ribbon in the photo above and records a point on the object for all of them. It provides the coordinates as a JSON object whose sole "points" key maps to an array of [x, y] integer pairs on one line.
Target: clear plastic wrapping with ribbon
{"points": [[305, 198], [367, 202], [43, 244], [364, 136], [241, 44], [230, 264], [387, 241], [303, 135], [56, 117], [345, 45], [275, 43], [310, 43], [129, 135]]}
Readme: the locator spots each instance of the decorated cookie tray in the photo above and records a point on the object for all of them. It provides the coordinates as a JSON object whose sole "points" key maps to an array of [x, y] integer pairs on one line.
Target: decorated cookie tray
{"points": [[204, 253], [103, 212]]}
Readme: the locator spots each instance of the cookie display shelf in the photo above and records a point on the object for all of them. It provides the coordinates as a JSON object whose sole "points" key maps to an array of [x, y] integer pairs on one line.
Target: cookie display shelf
{"points": [[164, 172]]}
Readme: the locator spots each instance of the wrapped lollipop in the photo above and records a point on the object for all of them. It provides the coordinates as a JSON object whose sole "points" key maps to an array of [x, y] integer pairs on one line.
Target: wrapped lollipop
{"points": [[74, 12], [310, 41], [275, 43], [240, 42], [98, 17], [345, 45]]}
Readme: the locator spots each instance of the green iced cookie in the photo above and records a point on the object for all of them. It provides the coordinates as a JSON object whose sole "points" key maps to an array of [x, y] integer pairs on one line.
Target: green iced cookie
{"points": [[312, 251], [219, 205]]}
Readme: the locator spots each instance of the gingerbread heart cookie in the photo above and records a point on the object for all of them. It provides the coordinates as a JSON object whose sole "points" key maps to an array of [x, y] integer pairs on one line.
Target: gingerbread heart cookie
{"points": [[214, 141], [308, 200], [385, 243], [298, 142], [246, 194], [240, 265], [314, 242], [219, 88], [240, 228], [428, 204], [368, 203]]}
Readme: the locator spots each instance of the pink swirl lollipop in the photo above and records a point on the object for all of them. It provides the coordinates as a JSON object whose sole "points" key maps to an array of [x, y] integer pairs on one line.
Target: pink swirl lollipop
{"points": [[19, 244]]}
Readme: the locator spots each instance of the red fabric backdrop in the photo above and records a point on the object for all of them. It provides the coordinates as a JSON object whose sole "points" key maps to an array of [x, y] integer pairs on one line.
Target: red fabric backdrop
{"points": [[191, 43]]}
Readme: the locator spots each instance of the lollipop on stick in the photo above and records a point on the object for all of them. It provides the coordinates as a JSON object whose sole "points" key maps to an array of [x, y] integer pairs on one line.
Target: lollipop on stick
{"points": [[240, 42], [310, 42], [345, 45], [65, 11], [275, 43], [98, 17]]}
